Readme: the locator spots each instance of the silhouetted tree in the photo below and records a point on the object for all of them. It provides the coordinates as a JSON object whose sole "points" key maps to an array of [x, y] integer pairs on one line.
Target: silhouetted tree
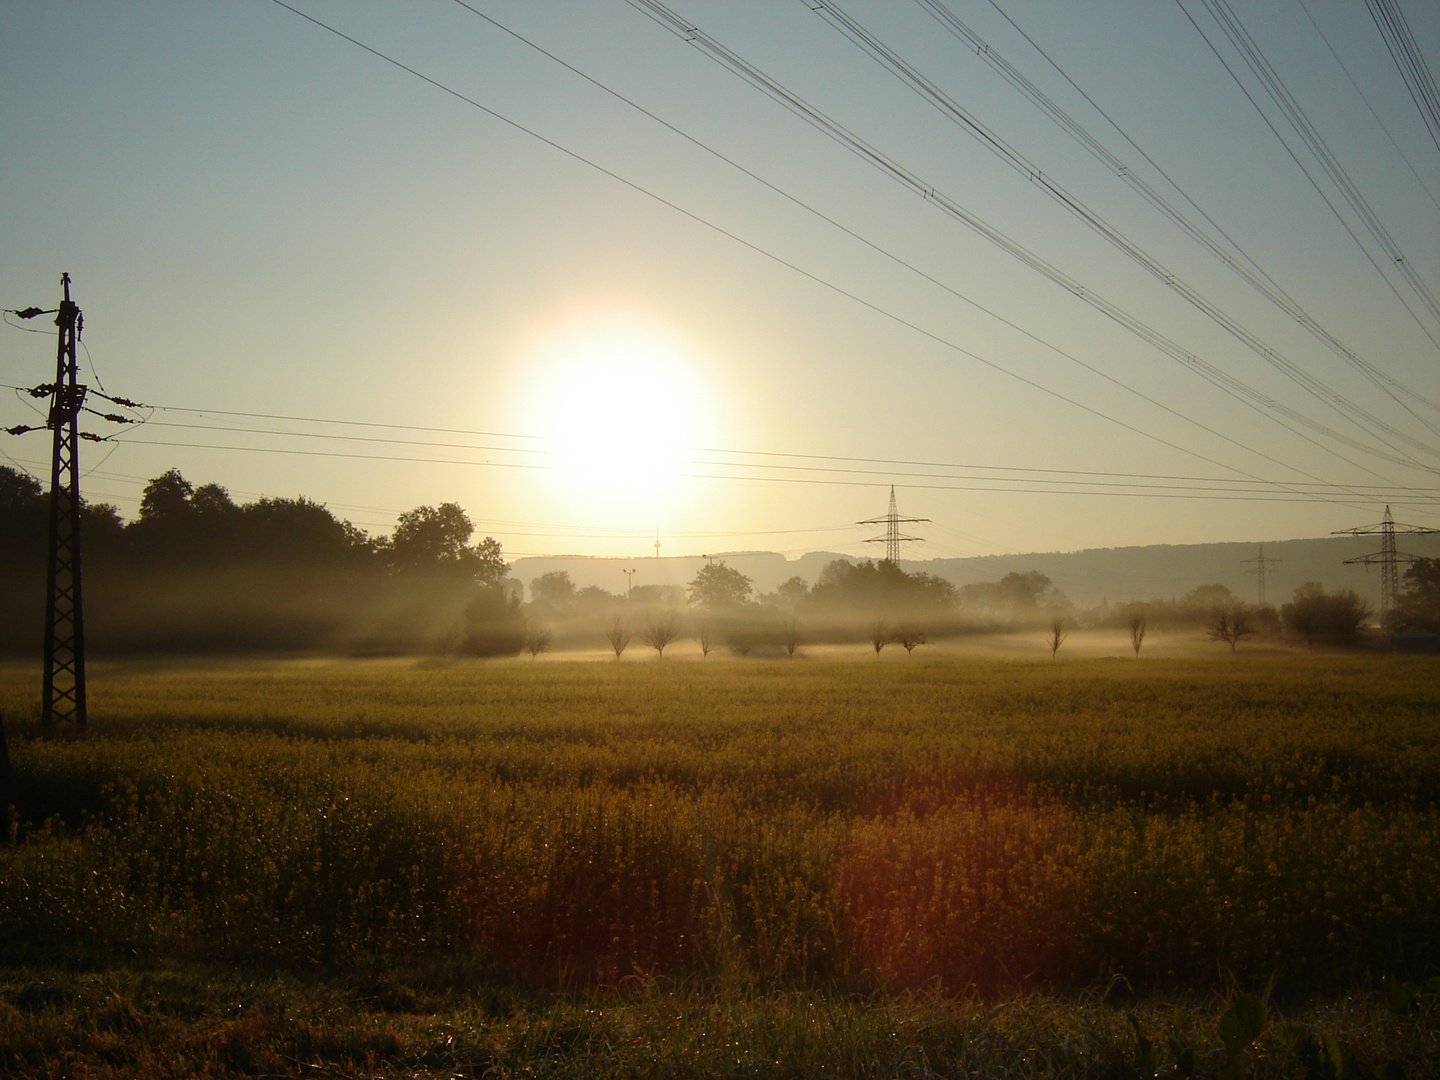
{"points": [[1203, 601], [1137, 632], [660, 630], [554, 591], [494, 625], [167, 496], [618, 634], [718, 587], [537, 640], [790, 633], [1059, 631], [1419, 601], [705, 637], [879, 635], [1315, 614], [911, 639], [1231, 627], [437, 539], [793, 591]]}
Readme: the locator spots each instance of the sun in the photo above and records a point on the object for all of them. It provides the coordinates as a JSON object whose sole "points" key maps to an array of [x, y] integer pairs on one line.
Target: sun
{"points": [[618, 399]]}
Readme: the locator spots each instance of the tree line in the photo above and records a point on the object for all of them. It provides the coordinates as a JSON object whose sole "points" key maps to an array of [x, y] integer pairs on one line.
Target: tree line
{"points": [[197, 571]]}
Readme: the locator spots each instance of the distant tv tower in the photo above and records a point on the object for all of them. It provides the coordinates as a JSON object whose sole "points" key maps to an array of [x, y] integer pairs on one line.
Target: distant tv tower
{"points": [[1387, 558], [1262, 567], [892, 522]]}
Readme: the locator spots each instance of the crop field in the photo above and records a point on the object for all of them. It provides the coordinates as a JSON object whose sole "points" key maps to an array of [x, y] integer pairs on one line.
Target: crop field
{"points": [[842, 867]]}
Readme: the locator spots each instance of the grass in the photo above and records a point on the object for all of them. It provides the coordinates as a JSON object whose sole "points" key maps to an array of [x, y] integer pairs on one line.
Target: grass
{"points": [[929, 868]]}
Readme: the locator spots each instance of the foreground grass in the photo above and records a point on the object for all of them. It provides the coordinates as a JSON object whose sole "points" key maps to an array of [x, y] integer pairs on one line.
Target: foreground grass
{"points": [[187, 1022], [778, 868]]}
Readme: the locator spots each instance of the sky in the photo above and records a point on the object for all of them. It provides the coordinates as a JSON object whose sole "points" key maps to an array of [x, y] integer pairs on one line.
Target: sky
{"points": [[560, 264]]}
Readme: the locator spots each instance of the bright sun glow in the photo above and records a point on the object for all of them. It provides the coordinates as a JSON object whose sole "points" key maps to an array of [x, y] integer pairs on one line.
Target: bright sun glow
{"points": [[619, 399]]}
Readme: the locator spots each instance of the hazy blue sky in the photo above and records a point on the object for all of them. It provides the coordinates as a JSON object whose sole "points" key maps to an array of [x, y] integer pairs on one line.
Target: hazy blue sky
{"points": [[263, 218]]}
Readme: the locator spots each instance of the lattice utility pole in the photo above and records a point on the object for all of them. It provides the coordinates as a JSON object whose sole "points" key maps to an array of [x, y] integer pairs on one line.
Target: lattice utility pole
{"points": [[1262, 568], [1388, 559], [892, 538], [64, 687], [64, 693]]}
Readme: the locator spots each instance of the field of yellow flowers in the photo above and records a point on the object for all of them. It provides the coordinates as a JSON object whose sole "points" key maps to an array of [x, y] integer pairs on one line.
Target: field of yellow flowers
{"points": [[939, 830]]}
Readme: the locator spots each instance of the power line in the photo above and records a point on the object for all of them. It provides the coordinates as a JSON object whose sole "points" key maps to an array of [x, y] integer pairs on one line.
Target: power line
{"points": [[1225, 249], [1379, 120], [1280, 95], [1078, 290], [874, 246], [890, 463], [1234, 387], [856, 298], [924, 88], [1249, 495], [831, 221], [1390, 21]]}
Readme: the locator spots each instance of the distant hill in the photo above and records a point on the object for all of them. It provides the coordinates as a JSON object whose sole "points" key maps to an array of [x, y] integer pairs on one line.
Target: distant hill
{"points": [[1089, 577]]}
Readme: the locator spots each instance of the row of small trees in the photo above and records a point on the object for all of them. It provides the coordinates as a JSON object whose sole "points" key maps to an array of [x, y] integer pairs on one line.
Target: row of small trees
{"points": [[881, 604]]}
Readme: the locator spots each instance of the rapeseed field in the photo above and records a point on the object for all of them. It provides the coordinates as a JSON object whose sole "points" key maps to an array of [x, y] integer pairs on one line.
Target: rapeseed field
{"points": [[872, 848]]}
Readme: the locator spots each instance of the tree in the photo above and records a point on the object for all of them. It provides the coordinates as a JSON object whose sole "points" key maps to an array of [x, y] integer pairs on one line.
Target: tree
{"points": [[537, 640], [431, 538], [553, 591], [285, 530], [618, 634], [1333, 617], [1137, 632], [660, 630], [1203, 601], [1419, 601], [719, 587], [1231, 627], [1059, 631], [879, 635], [168, 495], [911, 638], [790, 633], [705, 637], [494, 625], [793, 591]]}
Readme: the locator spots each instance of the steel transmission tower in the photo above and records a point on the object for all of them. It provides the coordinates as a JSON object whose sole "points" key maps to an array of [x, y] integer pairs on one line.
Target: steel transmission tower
{"points": [[64, 694], [892, 538], [1262, 568], [1387, 558], [64, 688]]}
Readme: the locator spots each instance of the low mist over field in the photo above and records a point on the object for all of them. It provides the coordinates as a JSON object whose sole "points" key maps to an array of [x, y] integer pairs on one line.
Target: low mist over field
{"points": [[198, 572]]}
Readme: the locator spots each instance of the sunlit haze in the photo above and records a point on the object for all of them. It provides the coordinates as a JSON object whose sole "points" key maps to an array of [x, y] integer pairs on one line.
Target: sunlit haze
{"points": [[563, 265]]}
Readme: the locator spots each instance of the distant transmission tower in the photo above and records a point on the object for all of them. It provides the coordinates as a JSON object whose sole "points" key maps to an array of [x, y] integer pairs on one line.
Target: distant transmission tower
{"points": [[1262, 568], [64, 689], [1387, 558], [892, 538]]}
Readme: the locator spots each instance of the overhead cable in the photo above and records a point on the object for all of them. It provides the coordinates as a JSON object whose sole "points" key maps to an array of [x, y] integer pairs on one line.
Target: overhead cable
{"points": [[825, 283], [1280, 95], [927, 90], [1236, 388], [1221, 244]]}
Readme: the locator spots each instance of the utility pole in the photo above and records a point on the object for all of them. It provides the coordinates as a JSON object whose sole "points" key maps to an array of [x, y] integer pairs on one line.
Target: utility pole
{"points": [[629, 581], [1262, 567], [64, 686], [64, 693], [892, 538], [1388, 559], [657, 543]]}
